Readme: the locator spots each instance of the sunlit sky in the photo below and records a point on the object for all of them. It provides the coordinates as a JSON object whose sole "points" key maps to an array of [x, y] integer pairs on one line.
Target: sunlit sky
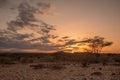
{"points": [[75, 18]]}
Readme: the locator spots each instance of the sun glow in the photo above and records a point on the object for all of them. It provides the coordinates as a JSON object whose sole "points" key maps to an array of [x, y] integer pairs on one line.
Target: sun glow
{"points": [[75, 48]]}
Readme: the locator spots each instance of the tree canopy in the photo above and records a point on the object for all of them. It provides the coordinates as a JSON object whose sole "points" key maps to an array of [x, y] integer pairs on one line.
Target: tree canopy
{"points": [[96, 44]]}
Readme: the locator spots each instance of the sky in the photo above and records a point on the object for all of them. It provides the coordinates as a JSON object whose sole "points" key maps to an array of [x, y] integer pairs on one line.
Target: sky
{"points": [[63, 22]]}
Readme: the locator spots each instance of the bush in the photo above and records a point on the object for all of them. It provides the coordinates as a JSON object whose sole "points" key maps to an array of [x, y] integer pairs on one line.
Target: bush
{"points": [[96, 73], [38, 66], [48, 66], [6, 60], [56, 67], [84, 64]]}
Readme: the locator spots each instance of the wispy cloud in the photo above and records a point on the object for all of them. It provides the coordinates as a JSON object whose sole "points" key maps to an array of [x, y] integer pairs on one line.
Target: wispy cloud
{"points": [[21, 32], [11, 38], [3, 3]]}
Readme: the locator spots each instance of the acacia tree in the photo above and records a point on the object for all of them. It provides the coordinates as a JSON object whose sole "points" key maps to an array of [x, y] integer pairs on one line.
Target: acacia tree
{"points": [[96, 44]]}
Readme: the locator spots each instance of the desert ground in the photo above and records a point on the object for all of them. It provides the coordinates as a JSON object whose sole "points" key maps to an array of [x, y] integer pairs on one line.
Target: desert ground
{"points": [[60, 67]]}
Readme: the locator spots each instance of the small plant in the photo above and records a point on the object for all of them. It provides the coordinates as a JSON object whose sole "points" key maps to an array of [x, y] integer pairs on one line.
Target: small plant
{"points": [[104, 63], [96, 73], [84, 64], [116, 64], [56, 67], [6, 61], [113, 74], [50, 66], [100, 68], [84, 79], [117, 60], [38, 66]]}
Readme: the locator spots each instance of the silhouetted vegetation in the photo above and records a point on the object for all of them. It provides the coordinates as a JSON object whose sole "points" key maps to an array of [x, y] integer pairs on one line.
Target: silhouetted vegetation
{"points": [[38, 66], [97, 73], [83, 58], [96, 44], [57, 67], [84, 64]]}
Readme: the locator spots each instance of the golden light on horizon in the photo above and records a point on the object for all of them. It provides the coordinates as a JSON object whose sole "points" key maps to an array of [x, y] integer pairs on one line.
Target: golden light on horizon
{"points": [[31, 25], [75, 48]]}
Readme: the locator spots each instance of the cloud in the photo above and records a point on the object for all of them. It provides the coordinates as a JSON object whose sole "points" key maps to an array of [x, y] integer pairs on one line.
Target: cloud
{"points": [[71, 42], [13, 38], [65, 37], [48, 10], [27, 18], [3, 3], [17, 41]]}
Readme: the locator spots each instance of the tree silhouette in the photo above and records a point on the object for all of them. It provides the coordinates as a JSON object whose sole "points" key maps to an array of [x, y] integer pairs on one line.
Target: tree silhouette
{"points": [[96, 44]]}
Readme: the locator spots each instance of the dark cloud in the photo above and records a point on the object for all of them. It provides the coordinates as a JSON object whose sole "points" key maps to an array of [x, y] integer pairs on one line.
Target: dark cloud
{"points": [[71, 42], [11, 38], [25, 17], [65, 37], [9, 4], [17, 41], [3, 3], [23, 36]]}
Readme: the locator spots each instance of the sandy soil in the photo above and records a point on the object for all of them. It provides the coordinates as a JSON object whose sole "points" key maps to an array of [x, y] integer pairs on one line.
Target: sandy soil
{"points": [[68, 71]]}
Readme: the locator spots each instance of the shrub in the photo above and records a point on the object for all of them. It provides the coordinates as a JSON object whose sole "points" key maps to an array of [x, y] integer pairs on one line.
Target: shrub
{"points": [[38, 66], [6, 60], [56, 67], [48, 66], [96, 73], [84, 64]]}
